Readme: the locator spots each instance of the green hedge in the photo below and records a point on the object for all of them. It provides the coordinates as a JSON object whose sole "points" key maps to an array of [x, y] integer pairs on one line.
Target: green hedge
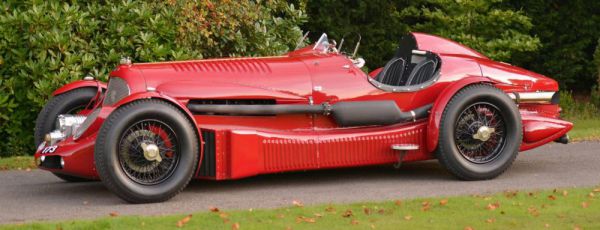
{"points": [[45, 44]]}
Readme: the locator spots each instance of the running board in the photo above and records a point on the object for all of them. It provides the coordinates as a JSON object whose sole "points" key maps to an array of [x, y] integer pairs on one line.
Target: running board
{"points": [[405, 147]]}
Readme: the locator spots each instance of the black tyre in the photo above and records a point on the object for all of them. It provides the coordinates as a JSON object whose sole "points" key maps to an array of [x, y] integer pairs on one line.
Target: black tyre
{"points": [[67, 103], [146, 151], [480, 133]]}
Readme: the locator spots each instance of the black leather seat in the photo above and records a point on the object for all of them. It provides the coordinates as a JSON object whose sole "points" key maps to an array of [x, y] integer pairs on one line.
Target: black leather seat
{"points": [[392, 72], [422, 72]]}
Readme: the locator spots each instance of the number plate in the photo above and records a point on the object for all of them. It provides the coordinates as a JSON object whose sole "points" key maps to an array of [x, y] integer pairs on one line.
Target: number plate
{"points": [[49, 149]]}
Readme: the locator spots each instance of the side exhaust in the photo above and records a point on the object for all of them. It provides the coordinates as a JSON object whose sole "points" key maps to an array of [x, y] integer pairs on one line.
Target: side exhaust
{"points": [[564, 139], [359, 113], [535, 97]]}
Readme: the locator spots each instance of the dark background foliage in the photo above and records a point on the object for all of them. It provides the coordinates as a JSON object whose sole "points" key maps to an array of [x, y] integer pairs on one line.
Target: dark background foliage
{"points": [[553, 37], [45, 44]]}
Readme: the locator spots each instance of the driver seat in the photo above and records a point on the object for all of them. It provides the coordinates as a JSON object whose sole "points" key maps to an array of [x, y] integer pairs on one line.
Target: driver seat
{"points": [[392, 72]]}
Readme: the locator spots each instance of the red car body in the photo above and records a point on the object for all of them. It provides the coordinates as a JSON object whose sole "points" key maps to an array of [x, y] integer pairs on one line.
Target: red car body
{"points": [[235, 147]]}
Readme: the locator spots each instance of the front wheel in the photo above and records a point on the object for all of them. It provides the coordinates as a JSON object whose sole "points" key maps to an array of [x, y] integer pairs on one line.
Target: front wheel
{"points": [[480, 133], [67, 103], [146, 151]]}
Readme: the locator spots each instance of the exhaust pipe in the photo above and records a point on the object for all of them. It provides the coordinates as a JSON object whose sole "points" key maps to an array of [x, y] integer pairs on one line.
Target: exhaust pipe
{"points": [[359, 113], [535, 97]]}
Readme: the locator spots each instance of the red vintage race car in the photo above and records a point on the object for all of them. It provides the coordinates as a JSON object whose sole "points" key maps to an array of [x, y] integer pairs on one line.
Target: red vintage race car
{"points": [[155, 126]]}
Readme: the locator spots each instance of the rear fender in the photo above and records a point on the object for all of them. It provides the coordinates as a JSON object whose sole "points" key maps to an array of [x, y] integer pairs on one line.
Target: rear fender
{"points": [[440, 104], [80, 84]]}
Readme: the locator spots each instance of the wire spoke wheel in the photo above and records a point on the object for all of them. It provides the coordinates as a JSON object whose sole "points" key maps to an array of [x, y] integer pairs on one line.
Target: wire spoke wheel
{"points": [[148, 152], [480, 133]]}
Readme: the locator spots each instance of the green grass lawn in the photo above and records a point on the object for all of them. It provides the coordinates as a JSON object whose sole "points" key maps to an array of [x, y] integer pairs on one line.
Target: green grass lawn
{"points": [[19, 163], [554, 209], [585, 129]]}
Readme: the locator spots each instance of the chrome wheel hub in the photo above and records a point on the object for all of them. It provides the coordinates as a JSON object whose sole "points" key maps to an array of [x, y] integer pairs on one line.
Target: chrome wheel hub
{"points": [[483, 133], [151, 152]]}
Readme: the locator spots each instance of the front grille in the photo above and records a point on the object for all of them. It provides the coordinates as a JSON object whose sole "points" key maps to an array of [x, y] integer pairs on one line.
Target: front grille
{"points": [[117, 90], [207, 167], [51, 162], [89, 120]]}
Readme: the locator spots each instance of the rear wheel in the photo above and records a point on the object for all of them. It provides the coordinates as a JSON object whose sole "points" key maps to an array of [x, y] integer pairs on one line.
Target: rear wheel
{"points": [[146, 151], [70, 102], [480, 133]]}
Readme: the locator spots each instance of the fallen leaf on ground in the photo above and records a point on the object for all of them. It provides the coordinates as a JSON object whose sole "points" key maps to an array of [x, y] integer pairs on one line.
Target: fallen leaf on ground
{"points": [[280, 216], [301, 219], [533, 211], [235, 226], [547, 225], [585, 204], [213, 209], [381, 211], [510, 194], [297, 203], [367, 211], [354, 222], [330, 209], [552, 197], [490, 220], [576, 228], [425, 206], [591, 195], [347, 213], [493, 206], [469, 228], [596, 190], [398, 202], [113, 214], [319, 215], [183, 221], [224, 216], [565, 193], [408, 217], [443, 202]]}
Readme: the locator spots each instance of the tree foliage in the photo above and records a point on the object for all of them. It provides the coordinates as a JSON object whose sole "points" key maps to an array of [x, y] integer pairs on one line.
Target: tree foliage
{"points": [[45, 44], [569, 32], [485, 25]]}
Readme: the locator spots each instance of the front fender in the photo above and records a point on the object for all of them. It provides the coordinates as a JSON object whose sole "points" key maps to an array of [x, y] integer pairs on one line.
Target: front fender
{"points": [[160, 96], [79, 84], [440, 104]]}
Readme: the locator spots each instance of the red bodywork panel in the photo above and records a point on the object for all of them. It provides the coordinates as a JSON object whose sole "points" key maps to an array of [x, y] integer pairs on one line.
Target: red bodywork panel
{"points": [[79, 84], [250, 145]]}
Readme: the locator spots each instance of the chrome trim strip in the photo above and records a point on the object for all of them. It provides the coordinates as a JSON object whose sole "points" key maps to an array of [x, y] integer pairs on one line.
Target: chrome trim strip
{"points": [[532, 97]]}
